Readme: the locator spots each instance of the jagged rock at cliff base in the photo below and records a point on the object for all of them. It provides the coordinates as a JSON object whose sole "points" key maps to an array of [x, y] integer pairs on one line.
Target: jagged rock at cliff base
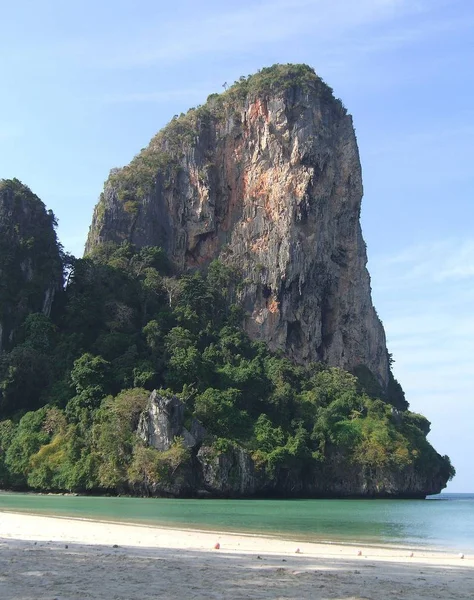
{"points": [[265, 177], [230, 473]]}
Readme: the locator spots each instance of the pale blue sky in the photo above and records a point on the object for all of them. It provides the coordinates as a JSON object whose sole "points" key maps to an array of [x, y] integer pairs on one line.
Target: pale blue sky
{"points": [[85, 85]]}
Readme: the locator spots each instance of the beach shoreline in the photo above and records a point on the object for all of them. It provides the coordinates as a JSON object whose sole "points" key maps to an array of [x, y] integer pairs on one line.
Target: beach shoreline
{"points": [[82, 558], [316, 544]]}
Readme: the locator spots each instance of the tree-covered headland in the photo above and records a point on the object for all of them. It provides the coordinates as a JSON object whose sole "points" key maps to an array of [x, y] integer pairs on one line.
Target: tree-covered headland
{"points": [[74, 380]]}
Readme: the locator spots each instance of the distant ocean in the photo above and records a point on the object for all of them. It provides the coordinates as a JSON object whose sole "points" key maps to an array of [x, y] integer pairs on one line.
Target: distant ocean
{"points": [[444, 522]]}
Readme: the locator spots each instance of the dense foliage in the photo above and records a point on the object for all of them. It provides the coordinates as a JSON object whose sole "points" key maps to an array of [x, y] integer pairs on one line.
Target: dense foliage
{"points": [[30, 263], [75, 383]]}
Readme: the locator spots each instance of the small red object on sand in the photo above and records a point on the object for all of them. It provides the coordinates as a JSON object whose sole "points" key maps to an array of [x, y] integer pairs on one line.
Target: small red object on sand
{"points": [[297, 551], [359, 553], [217, 546]]}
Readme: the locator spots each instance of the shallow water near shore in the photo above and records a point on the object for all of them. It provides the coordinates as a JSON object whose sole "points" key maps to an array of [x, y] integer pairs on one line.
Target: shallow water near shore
{"points": [[444, 522]]}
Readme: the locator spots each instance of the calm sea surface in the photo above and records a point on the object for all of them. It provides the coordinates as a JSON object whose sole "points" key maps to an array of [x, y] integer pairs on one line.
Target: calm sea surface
{"points": [[444, 522]]}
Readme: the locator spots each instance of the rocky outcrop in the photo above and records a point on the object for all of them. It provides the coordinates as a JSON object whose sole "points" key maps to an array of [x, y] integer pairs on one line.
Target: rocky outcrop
{"points": [[229, 472], [265, 177], [163, 420], [219, 468], [30, 263]]}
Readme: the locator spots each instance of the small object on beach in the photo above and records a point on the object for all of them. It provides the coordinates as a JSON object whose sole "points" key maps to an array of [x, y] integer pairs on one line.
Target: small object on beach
{"points": [[411, 555], [461, 555], [115, 546], [359, 552], [259, 557], [297, 551], [66, 546], [217, 546], [283, 560]]}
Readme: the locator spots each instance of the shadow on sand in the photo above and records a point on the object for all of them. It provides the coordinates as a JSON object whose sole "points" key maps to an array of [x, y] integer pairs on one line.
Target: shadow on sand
{"points": [[48, 570]]}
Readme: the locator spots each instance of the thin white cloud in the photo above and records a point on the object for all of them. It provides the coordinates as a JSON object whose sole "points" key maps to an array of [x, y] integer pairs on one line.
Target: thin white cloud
{"points": [[435, 262], [437, 135], [255, 25], [402, 35], [156, 97], [425, 297], [163, 41]]}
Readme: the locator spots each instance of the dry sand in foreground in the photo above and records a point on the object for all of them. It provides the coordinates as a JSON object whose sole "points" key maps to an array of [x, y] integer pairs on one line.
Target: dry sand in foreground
{"points": [[45, 558]]}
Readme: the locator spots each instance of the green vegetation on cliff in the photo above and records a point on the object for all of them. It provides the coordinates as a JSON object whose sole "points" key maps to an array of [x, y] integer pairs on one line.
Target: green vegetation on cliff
{"points": [[30, 262], [75, 383], [163, 155]]}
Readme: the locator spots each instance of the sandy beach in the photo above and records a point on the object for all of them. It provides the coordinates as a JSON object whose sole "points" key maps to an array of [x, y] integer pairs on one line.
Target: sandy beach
{"points": [[61, 558]]}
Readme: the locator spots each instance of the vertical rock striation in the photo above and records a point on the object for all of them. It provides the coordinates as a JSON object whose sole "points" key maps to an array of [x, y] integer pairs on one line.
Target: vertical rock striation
{"points": [[265, 177]]}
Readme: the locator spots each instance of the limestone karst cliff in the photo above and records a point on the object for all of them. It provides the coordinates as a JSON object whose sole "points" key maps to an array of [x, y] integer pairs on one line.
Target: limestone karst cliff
{"points": [[30, 263], [233, 471], [267, 178]]}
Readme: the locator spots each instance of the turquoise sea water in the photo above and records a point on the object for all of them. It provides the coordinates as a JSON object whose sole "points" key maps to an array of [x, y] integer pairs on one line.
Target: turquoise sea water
{"points": [[443, 522]]}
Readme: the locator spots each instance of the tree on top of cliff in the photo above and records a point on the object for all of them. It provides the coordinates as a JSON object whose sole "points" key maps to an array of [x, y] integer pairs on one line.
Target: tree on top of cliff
{"points": [[276, 79], [168, 146]]}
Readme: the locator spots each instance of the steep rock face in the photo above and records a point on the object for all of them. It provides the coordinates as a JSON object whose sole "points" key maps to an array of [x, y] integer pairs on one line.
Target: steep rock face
{"points": [[163, 421], [230, 473], [30, 263], [265, 177]]}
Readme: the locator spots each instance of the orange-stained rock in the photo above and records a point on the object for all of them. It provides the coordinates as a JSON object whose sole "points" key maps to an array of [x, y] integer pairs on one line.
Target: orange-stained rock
{"points": [[265, 177]]}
